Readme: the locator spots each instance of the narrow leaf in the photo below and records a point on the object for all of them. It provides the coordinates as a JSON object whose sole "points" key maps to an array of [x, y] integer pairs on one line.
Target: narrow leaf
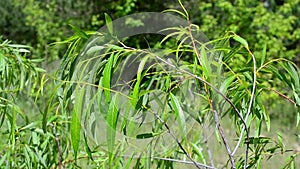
{"points": [[111, 119], [136, 89], [87, 148], [176, 11], [109, 23], [179, 114], [144, 135], [241, 40], [264, 53], [107, 76], [205, 63], [199, 152], [185, 11], [75, 125], [79, 32]]}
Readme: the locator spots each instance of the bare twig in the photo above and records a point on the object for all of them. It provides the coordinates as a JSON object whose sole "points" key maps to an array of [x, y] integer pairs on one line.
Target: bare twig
{"points": [[284, 96], [225, 142], [58, 146]]}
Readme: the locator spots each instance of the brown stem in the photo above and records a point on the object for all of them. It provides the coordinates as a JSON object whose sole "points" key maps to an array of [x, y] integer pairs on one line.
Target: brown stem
{"points": [[58, 147], [282, 95]]}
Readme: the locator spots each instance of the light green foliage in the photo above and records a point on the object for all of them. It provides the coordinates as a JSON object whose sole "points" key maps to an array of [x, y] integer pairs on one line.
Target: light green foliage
{"points": [[271, 23], [19, 81]]}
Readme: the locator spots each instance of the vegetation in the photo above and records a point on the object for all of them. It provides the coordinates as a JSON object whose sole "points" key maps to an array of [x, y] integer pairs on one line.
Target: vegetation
{"points": [[141, 94]]}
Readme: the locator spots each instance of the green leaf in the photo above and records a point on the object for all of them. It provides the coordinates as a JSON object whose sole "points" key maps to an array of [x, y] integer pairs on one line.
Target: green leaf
{"points": [[227, 83], [258, 127], [241, 40], [199, 152], [115, 47], [259, 162], [279, 138], [3, 159], [293, 73], [109, 24], [136, 89], [75, 125], [111, 119], [179, 114], [107, 76], [144, 135], [18, 46], [24, 51], [79, 32], [264, 53], [129, 161], [176, 11], [30, 125], [205, 63], [87, 148], [94, 49], [168, 82], [185, 11]]}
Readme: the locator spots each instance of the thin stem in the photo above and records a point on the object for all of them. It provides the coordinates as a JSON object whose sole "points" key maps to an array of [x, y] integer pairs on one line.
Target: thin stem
{"points": [[193, 42], [157, 158], [284, 96], [225, 142], [175, 138], [250, 107], [58, 146], [247, 115]]}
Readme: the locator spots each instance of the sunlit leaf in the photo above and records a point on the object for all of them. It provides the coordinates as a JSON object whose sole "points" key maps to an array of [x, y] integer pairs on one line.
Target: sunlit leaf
{"points": [[79, 32], [107, 76], [179, 114], [263, 56], [199, 152], [109, 24], [75, 123], [111, 119], [136, 89], [241, 40], [205, 63]]}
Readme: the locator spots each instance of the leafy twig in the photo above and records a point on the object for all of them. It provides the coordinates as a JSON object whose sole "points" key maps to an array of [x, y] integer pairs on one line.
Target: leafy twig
{"points": [[210, 85]]}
